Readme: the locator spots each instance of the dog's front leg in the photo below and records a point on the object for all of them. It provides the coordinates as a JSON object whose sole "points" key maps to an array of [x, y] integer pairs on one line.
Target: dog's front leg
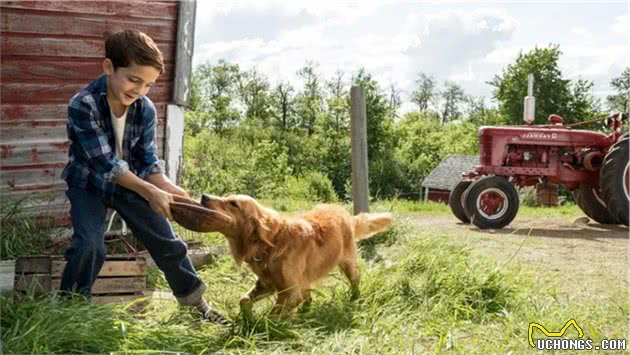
{"points": [[257, 292], [288, 300]]}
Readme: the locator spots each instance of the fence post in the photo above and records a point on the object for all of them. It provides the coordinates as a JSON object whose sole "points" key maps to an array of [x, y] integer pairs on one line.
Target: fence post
{"points": [[358, 128]]}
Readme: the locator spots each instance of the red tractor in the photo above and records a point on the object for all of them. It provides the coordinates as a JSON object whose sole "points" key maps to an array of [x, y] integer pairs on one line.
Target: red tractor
{"points": [[593, 165]]}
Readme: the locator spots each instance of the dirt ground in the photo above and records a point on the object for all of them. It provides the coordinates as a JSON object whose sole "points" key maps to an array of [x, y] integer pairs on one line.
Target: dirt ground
{"points": [[580, 257]]}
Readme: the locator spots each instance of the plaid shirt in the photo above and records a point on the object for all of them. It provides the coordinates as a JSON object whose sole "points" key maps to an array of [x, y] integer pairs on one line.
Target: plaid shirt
{"points": [[92, 161]]}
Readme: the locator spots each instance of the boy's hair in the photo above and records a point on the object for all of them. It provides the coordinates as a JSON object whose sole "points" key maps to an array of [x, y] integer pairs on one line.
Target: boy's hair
{"points": [[125, 47]]}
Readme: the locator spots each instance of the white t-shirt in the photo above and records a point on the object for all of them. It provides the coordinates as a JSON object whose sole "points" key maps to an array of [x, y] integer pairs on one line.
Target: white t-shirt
{"points": [[119, 132]]}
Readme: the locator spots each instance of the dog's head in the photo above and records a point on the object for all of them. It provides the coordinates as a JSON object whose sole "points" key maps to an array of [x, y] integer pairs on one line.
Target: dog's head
{"points": [[251, 223], [193, 216]]}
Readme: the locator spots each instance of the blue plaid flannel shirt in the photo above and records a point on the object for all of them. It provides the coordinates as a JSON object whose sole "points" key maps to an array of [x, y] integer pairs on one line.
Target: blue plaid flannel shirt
{"points": [[92, 161]]}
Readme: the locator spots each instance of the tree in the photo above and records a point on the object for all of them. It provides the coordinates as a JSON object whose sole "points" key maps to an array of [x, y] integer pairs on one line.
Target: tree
{"points": [[213, 93], [424, 93], [554, 95], [621, 84], [582, 104], [394, 99], [254, 92], [309, 101], [282, 103], [376, 110], [474, 105], [338, 105], [453, 95]]}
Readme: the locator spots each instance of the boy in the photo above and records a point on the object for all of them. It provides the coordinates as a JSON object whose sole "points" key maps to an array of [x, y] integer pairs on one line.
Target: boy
{"points": [[113, 163]]}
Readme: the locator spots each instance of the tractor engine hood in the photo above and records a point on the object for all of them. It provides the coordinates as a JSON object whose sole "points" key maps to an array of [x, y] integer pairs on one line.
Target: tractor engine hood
{"points": [[542, 135]]}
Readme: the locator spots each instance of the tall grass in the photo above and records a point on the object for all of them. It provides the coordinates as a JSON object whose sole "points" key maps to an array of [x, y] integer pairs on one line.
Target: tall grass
{"points": [[421, 291], [21, 234]]}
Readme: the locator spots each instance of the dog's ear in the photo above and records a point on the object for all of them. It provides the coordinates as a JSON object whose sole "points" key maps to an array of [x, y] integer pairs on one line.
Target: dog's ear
{"points": [[258, 229], [266, 228]]}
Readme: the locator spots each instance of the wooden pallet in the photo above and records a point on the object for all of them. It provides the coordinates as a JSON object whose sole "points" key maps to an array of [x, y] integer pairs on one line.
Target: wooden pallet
{"points": [[122, 278]]}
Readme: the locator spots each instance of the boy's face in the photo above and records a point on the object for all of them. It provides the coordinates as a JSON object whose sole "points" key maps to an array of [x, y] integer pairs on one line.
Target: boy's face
{"points": [[126, 84]]}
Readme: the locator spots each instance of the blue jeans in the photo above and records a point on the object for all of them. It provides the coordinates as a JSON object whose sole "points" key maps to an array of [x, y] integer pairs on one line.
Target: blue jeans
{"points": [[87, 253]]}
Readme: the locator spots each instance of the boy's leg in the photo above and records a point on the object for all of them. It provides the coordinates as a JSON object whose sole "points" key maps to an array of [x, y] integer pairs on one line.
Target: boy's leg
{"points": [[87, 253], [168, 251]]}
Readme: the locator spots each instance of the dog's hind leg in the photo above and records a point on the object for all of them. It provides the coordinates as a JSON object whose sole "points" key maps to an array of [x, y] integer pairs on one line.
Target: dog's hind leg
{"points": [[350, 269], [254, 294]]}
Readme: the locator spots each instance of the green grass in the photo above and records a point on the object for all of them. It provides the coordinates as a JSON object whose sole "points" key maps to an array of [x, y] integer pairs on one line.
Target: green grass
{"points": [[21, 234], [422, 291]]}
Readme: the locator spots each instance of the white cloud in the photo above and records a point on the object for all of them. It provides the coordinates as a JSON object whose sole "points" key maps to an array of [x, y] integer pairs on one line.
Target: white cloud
{"points": [[396, 40], [621, 25]]}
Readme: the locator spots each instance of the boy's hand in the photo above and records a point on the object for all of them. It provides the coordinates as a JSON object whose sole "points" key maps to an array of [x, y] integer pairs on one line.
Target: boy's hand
{"points": [[163, 182], [159, 201]]}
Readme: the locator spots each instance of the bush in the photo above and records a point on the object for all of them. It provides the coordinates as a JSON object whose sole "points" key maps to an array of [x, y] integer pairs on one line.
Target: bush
{"points": [[224, 165], [314, 186]]}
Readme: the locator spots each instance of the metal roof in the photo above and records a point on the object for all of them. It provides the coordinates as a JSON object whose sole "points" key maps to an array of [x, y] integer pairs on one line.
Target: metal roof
{"points": [[449, 172]]}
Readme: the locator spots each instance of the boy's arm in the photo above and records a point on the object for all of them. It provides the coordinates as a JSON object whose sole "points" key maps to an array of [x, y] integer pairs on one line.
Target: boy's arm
{"points": [[91, 139], [159, 199], [92, 142], [146, 153]]}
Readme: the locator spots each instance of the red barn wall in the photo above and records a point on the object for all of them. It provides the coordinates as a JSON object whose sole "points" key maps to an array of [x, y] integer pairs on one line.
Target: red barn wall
{"points": [[49, 50], [438, 195]]}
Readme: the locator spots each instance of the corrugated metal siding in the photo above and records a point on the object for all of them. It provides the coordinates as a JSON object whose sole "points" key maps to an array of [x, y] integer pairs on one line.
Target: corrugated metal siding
{"points": [[49, 50]]}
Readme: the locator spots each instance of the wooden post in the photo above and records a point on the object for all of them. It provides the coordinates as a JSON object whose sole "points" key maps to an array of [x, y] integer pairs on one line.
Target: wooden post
{"points": [[184, 52], [360, 191]]}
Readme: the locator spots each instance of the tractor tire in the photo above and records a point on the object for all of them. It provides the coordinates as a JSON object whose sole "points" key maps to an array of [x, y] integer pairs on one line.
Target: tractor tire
{"points": [[491, 202], [456, 201], [592, 204], [614, 179]]}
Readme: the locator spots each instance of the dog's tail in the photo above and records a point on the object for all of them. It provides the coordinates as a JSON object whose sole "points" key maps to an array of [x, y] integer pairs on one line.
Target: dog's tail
{"points": [[365, 225]]}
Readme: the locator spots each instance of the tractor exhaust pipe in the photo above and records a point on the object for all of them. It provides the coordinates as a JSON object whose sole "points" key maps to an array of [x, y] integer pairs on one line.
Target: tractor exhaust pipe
{"points": [[593, 161], [529, 110]]}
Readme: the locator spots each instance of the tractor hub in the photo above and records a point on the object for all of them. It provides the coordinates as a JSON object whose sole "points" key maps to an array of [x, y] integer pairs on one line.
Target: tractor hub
{"points": [[492, 203]]}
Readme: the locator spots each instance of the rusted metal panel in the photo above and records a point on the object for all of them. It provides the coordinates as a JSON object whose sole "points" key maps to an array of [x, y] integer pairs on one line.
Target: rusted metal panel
{"points": [[49, 50]]}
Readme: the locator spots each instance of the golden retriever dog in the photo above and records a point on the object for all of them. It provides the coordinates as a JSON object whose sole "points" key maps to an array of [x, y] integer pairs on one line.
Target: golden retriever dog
{"points": [[289, 253]]}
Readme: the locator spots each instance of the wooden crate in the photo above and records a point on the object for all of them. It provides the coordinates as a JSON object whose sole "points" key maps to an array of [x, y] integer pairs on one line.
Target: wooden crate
{"points": [[122, 277], [547, 195]]}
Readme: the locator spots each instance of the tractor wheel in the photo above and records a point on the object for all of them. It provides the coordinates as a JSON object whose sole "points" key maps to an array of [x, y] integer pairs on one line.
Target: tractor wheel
{"points": [[456, 201], [491, 202], [591, 203], [614, 179]]}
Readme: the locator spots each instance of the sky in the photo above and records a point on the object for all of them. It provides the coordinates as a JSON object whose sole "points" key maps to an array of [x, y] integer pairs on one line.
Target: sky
{"points": [[467, 42]]}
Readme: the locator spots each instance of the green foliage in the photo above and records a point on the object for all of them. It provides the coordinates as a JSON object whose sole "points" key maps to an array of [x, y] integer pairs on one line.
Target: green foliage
{"points": [[310, 100], [420, 289], [262, 131], [453, 96], [219, 165], [314, 186], [554, 94], [424, 93], [621, 84], [21, 234]]}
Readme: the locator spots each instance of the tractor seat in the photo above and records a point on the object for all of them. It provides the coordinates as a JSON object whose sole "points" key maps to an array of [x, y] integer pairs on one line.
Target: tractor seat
{"points": [[555, 119]]}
